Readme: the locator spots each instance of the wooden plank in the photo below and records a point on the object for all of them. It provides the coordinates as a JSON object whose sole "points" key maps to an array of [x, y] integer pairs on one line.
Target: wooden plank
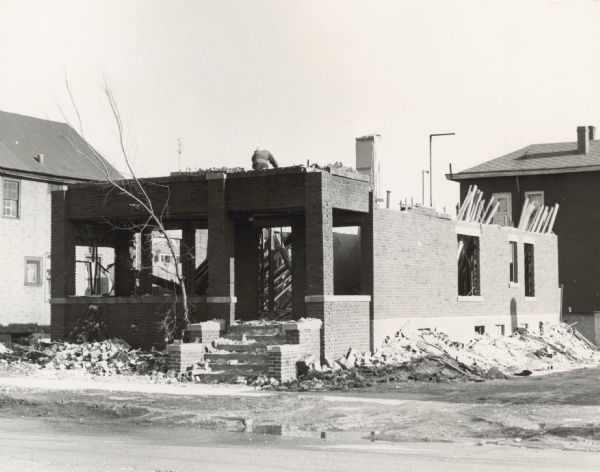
{"points": [[551, 224], [523, 210], [466, 202], [493, 212]]}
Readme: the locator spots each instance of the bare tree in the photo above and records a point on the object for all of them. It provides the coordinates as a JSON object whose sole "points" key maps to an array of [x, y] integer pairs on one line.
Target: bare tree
{"points": [[138, 191]]}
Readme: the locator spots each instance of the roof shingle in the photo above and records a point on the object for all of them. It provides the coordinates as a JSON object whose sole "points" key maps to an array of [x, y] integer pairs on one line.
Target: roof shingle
{"points": [[66, 154], [538, 159]]}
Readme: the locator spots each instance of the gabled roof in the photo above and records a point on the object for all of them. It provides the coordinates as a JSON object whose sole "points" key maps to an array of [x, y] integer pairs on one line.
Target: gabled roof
{"points": [[66, 154], [552, 158]]}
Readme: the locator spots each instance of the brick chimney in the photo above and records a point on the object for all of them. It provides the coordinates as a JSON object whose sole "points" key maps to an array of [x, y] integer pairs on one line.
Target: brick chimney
{"points": [[583, 140], [592, 132], [366, 159]]}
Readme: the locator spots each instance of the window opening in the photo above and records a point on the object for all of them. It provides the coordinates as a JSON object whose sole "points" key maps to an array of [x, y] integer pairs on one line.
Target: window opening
{"points": [[513, 261], [480, 329], [529, 270], [468, 266], [10, 198], [33, 271]]}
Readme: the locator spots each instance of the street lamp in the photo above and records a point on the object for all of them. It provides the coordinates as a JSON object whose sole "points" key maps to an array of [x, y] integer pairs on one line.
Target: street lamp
{"points": [[423, 172], [431, 136]]}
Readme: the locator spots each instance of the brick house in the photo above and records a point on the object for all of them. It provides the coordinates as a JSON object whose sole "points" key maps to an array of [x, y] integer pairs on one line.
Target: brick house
{"points": [[405, 262], [36, 157], [565, 173]]}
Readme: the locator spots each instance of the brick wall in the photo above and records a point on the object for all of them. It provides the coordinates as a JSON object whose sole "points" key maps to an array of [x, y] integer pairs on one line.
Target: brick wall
{"points": [[26, 236], [345, 324], [136, 320], [415, 274]]}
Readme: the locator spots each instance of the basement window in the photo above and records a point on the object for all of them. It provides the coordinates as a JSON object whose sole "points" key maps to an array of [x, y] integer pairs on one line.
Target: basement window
{"points": [[529, 270], [468, 266], [500, 330], [513, 262], [480, 329]]}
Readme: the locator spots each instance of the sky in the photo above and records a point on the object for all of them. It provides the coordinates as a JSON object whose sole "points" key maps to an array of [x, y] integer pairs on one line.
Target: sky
{"points": [[304, 78]]}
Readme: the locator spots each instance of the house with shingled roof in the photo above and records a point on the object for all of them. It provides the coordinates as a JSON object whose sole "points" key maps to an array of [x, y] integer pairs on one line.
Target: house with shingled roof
{"points": [[37, 157], [567, 174]]}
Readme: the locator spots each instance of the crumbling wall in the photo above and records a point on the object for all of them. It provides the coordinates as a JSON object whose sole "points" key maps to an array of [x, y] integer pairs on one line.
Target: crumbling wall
{"points": [[416, 276]]}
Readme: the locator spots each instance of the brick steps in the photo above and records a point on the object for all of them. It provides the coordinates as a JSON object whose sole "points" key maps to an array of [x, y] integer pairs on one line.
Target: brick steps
{"points": [[243, 347], [245, 357], [264, 338]]}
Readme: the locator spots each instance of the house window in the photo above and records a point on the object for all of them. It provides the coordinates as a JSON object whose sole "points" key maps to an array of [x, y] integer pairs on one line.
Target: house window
{"points": [[468, 266], [513, 262], [503, 216], [156, 256], [537, 198], [529, 270], [33, 271], [480, 329], [10, 198], [500, 330]]}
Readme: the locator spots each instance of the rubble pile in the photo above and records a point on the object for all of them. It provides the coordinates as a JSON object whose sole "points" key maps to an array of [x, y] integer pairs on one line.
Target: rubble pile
{"points": [[433, 357], [109, 357]]}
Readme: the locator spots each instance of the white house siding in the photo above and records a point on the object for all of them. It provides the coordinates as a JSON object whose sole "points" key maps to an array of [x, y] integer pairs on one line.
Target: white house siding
{"points": [[26, 236]]}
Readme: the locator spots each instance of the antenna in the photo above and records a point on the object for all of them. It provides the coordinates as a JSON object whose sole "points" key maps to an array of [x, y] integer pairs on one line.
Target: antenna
{"points": [[179, 151]]}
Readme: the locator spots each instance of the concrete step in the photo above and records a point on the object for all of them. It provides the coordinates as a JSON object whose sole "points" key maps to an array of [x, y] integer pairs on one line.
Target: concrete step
{"points": [[256, 347], [254, 330], [239, 369], [245, 357], [265, 338]]}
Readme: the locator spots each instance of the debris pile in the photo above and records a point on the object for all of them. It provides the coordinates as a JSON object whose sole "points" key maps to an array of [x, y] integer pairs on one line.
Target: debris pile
{"points": [[109, 357], [433, 357]]}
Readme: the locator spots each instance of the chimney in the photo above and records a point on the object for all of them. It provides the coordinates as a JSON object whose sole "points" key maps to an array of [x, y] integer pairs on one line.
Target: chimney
{"points": [[583, 140], [39, 158], [592, 132], [366, 159]]}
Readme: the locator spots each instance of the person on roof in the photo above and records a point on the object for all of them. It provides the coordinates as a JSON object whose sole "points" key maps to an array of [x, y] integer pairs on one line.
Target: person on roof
{"points": [[262, 158]]}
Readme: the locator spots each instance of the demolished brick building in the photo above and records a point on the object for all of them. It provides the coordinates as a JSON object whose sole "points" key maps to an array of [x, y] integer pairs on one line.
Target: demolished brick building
{"points": [[406, 276]]}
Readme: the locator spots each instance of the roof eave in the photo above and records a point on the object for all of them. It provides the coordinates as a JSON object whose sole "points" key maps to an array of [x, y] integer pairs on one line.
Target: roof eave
{"points": [[512, 173]]}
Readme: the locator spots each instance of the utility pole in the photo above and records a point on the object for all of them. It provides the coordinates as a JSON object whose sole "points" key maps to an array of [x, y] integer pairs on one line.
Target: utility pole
{"points": [[179, 151], [423, 172], [431, 136]]}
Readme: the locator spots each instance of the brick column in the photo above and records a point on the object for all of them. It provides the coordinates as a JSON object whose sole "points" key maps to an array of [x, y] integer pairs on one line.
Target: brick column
{"points": [[366, 265], [319, 235], [221, 263], [246, 270], [187, 254], [146, 262], [124, 269], [298, 267], [62, 237]]}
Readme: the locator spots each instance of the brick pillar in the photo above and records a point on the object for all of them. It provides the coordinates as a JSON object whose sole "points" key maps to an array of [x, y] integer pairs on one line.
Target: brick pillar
{"points": [[62, 237], [246, 270], [366, 265], [146, 262], [319, 235], [187, 254], [124, 269], [298, 267], [221, 263]]}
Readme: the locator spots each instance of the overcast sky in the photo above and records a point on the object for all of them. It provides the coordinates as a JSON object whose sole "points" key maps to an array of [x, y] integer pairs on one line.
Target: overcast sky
{"points": [[304, 78]]}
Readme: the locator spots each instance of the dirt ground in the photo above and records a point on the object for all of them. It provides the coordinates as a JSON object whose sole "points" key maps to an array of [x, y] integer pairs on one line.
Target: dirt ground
{"points": [[559, 410]]}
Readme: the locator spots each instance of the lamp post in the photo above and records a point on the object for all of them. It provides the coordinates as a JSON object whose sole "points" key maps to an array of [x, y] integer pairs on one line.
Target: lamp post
{"points": [[423, 172], [431, 136]]}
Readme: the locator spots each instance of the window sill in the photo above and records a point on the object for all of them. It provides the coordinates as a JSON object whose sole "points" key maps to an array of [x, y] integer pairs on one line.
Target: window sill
{"points": [[513, 284], [468, 298], [530, 299]]}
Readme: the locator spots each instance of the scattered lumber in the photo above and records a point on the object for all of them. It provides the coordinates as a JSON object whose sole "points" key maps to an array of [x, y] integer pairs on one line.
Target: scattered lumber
{"points": [[474, 209], [537, 219]]}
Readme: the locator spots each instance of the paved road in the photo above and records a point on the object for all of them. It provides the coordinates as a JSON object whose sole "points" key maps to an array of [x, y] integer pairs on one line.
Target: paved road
{"points": [[34, 445]]}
